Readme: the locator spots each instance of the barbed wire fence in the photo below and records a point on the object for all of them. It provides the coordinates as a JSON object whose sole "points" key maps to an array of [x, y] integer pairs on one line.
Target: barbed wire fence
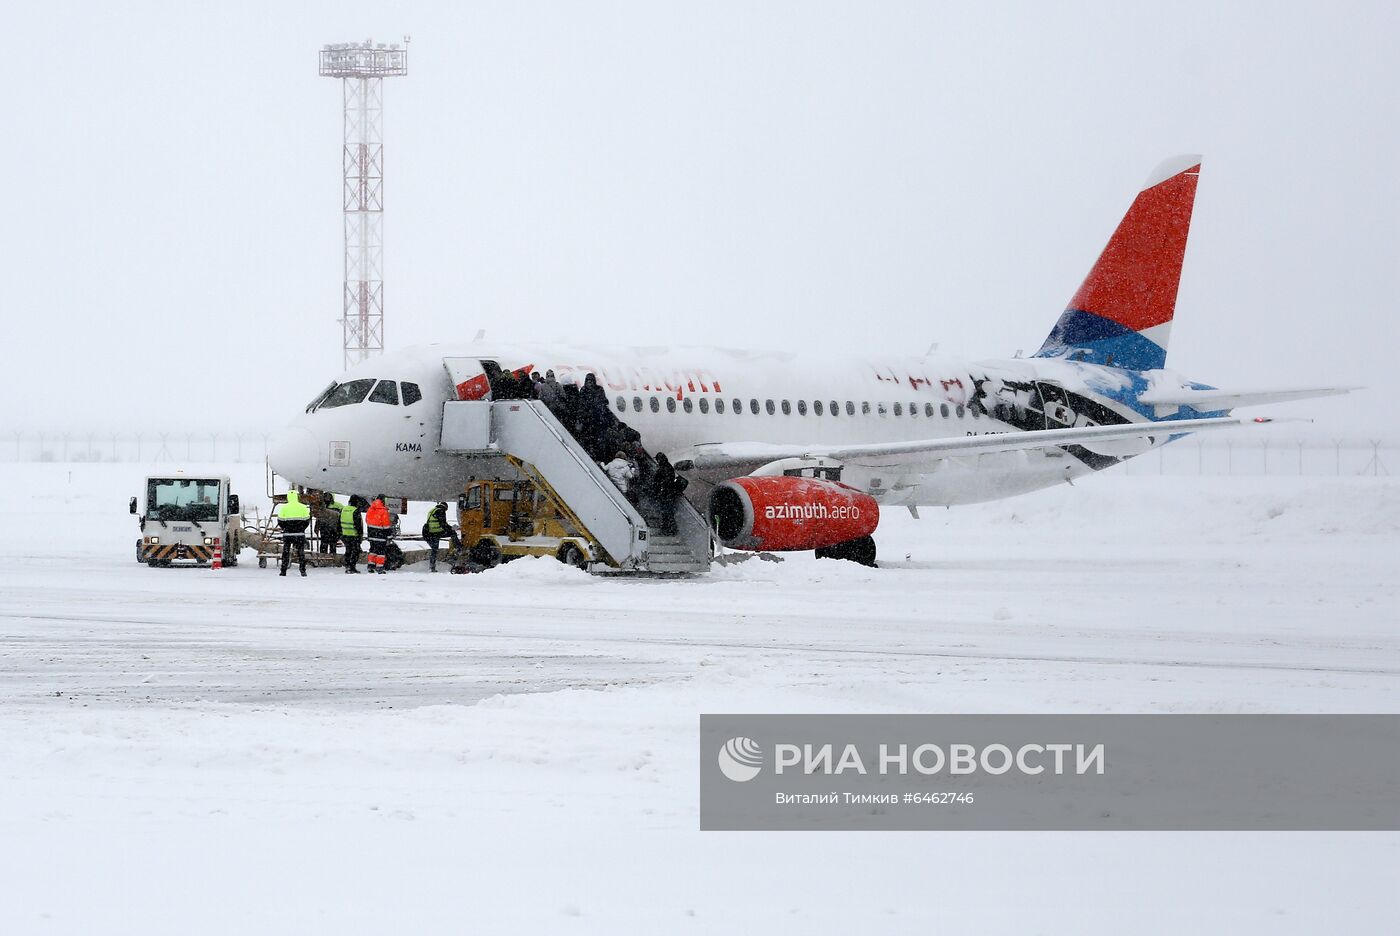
{"points": [[1336, 457], [146, 447], [1277, 456]]}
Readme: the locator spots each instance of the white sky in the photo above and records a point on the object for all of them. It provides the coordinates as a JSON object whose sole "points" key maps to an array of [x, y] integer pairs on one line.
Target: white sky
{"points": [[871, 176]]}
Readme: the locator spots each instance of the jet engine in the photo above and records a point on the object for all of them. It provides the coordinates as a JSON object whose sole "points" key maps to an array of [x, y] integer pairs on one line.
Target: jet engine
{"points": [[781, 513]]}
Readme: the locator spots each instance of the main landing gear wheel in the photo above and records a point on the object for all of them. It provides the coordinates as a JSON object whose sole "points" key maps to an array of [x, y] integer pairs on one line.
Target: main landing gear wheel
{"points": [[861, 550]]}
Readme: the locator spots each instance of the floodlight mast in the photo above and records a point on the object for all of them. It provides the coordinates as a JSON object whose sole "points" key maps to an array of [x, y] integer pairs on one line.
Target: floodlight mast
{"points": [[362, 68]]}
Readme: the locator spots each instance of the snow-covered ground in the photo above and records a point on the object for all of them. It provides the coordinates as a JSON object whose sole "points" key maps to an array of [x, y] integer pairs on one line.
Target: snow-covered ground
{"points": [[187, 750]]}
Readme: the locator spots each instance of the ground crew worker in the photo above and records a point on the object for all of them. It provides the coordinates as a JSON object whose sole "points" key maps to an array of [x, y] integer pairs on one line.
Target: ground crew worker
{"points": [[380, 527], [293, 517], [352, 530], [434, 529], [328, 524]]}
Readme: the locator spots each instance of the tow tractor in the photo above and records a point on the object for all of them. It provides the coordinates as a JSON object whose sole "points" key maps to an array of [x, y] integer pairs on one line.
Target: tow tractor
{"points": [[184, 518], [504, 520]]}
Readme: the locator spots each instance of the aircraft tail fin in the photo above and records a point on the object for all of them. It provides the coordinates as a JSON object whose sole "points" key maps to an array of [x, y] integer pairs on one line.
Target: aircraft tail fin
{"points": [[1122, 314]]}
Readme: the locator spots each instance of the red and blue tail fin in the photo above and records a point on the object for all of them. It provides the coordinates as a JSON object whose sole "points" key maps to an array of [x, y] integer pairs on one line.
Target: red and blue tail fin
{"points": [[1122, 314]]}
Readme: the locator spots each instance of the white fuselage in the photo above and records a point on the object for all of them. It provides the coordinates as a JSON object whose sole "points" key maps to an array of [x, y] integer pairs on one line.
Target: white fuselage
{"points": [[682, 399]]}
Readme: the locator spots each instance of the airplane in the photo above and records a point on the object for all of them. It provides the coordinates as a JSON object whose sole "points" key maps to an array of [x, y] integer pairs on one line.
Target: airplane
{"points": [[798, 451]]}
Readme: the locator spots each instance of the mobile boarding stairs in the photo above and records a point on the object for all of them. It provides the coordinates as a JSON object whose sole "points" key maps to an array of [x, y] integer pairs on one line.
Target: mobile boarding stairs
{"points": [[526, 433]]}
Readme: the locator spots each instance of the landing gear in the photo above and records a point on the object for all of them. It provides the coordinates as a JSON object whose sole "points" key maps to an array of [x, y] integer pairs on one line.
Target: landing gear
{"points": [[861, 550]]}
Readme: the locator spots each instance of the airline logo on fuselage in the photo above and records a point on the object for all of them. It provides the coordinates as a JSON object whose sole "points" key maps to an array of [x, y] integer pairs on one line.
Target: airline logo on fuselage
{"points": [[811, 512]]}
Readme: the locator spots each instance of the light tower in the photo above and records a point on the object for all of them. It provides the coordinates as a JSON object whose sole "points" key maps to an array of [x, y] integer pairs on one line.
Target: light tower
{"points": [[362, 68]]}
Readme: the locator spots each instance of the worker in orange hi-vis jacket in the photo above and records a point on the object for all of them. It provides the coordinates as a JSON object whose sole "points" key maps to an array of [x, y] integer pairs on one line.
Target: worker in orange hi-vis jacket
{"points": [[379, 527]]}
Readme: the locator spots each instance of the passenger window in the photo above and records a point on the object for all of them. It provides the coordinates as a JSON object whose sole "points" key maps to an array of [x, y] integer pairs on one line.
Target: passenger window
{"points": [[688, 405], [719, 405], [411, 393], [787, 408], [621, 405], [882, 408], [898, 410], [738, 407], [655, 405], [817, 407], [802, 407], [347, 393], [976, 413], [753, 406], [670, 404], [636, 404], [962, 411], [928, 410], [770, 407], [704, 405], [865, 409], [850, 408]]}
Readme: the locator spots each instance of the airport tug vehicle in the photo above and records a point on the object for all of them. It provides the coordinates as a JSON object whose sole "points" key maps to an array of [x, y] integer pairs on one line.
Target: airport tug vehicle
{"points": [[185, 518]]}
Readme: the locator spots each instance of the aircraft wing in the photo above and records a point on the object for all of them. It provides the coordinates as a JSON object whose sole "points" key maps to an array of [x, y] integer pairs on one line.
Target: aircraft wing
{"points": [[1168, 400], [725, 454]]}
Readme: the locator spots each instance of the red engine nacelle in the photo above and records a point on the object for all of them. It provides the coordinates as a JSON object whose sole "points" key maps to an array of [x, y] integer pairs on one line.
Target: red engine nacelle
{"points": [[782, 513]]}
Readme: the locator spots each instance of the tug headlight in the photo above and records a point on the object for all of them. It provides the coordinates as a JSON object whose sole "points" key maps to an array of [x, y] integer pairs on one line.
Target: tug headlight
{"points": [[155, 540], [208, 541]]}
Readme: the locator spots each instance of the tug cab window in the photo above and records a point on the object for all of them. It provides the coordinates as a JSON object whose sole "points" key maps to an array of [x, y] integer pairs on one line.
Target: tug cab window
{"points": [[348, 393], [386, 391], [182, 499], [411, 393]]}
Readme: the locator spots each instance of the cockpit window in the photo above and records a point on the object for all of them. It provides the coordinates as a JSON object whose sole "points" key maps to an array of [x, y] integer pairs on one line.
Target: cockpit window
{"points": [[353, 391], [320, 397], [386, 392], [411, 393]]}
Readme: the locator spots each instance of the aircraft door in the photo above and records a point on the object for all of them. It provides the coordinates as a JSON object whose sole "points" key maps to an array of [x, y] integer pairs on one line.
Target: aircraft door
{"points": [[469, 377], [1055, 405]]}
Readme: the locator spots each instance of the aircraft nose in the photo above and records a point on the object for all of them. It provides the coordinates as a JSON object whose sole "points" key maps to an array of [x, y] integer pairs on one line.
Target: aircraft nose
{"points": [[292, 453]]}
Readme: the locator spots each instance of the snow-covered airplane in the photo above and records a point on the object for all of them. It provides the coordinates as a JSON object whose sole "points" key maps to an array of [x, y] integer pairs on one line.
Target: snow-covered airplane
{"points": [[795, 451]]}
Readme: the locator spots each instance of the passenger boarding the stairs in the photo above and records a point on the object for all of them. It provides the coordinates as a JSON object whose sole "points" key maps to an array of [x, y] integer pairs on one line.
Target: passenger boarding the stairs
{"points": [[621, 470]]}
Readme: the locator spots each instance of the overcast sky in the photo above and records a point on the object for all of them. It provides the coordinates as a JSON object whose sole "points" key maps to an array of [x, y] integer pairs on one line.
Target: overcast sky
{"points": [[874, 176]]}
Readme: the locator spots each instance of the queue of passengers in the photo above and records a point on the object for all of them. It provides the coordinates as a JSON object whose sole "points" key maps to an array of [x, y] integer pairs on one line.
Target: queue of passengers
{"points": [[651, 485]]}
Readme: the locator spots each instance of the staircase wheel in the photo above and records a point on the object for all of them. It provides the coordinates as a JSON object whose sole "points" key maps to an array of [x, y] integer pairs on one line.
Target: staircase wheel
{"points": [[571, 555]]}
